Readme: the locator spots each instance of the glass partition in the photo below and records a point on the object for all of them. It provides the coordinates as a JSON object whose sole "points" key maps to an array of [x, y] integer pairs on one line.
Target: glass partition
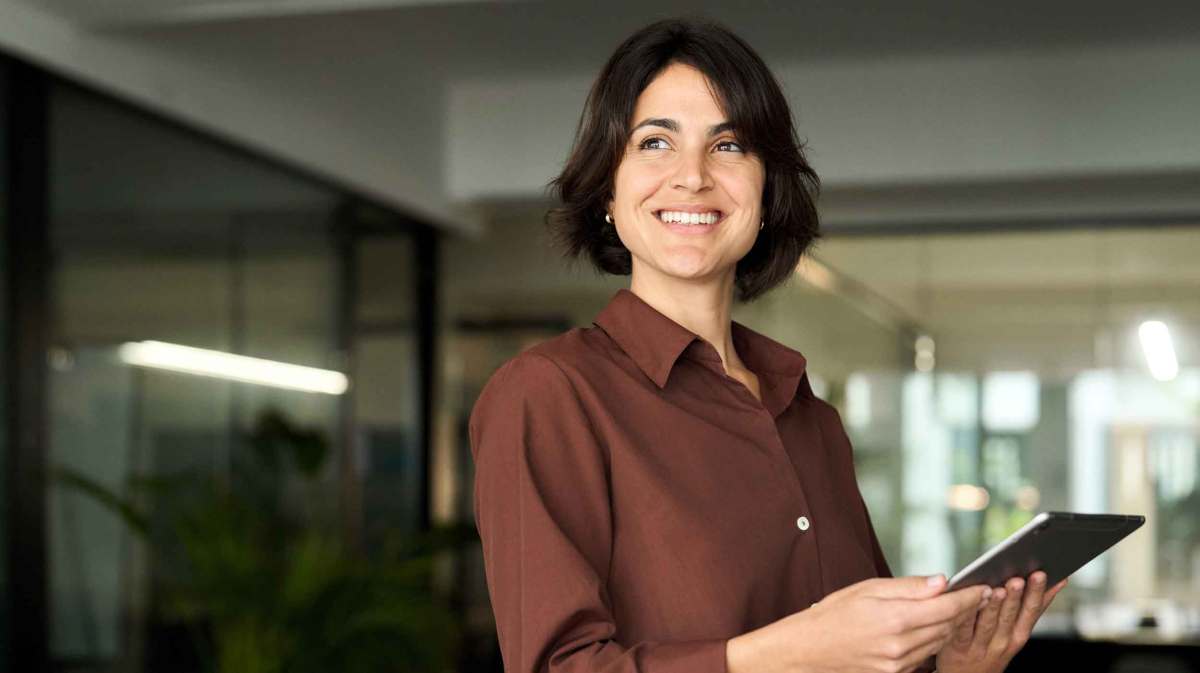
{"points": [[388, 399], [161, 239], [202, 355], [1051, 371]]}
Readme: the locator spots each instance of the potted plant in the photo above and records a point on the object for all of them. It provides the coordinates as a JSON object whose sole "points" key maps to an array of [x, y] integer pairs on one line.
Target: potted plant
{"points": [[271, 587]]}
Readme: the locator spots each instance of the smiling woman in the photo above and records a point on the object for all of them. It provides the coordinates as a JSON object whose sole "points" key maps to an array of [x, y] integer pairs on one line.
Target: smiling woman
{"points": [[691, 102], [661, 491], [691, 167]]}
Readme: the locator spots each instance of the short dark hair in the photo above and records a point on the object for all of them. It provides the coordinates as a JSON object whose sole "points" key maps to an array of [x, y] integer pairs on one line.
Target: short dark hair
{"points": [[751, 98]]}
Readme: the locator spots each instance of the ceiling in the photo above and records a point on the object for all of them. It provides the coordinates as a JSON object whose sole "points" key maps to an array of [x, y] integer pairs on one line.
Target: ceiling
{"points": [[483, 35], [1054, 301]]}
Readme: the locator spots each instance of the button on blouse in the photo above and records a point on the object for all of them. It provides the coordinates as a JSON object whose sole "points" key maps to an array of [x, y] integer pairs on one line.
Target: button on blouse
{"points": [[638, 506]]}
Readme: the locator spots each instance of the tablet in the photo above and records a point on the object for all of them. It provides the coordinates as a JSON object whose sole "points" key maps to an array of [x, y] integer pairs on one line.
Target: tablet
{"points": [[1058, 543]]}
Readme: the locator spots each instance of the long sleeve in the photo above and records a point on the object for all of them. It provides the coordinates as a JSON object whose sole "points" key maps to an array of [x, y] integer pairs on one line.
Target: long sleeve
{"points": [[544, 515]]}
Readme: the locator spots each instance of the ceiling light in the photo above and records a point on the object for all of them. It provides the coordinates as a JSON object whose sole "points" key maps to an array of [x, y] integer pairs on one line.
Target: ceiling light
{"points": [[1160, 353], [203, 362]]}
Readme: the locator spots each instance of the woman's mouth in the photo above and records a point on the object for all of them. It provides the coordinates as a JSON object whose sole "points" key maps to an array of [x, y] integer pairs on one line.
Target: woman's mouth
{"points": [[689, 222]]}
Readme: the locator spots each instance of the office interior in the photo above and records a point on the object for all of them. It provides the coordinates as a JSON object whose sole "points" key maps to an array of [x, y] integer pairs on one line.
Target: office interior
{"points": [[336, 209]]}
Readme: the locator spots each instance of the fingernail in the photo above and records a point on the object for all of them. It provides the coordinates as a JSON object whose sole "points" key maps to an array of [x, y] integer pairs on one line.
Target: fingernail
{"points": [[934, 580], [987, 592]]}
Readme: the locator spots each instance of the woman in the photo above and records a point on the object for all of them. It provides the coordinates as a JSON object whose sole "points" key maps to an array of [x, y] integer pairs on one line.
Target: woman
{"points": [[661, 491]]}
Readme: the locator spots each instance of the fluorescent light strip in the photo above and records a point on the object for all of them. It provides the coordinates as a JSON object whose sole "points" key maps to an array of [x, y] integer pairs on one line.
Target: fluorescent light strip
{"points": [[1160, 353], [204, 362]]}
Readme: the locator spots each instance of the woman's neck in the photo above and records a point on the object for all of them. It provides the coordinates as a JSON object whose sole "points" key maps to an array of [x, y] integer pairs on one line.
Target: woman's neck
{"points": [[704, 308]]}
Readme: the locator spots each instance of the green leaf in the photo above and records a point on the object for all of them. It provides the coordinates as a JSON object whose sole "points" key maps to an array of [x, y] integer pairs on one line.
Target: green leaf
{"points": [[104, 496]]}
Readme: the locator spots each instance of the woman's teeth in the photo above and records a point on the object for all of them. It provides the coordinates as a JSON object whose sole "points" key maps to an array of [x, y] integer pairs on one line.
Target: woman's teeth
{"points": [[689, 218]]}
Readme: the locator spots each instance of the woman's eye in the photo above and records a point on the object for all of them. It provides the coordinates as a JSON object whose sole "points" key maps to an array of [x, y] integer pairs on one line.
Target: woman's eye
{"points": [[656, 143], [645, 144]]}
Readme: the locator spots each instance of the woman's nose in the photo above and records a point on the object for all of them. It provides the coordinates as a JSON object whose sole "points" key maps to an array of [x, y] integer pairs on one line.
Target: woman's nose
{"points": [[691, 172]]}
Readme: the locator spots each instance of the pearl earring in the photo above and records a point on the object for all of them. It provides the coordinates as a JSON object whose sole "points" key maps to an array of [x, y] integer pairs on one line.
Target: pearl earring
{"points": [[608, 218], [760, 225]]}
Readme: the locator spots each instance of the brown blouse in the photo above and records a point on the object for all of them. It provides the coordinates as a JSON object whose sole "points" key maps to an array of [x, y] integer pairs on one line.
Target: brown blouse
{"points": [[638, 506]]}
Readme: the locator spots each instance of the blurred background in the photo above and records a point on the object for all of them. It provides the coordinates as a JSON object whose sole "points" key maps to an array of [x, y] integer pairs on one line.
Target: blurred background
{"points": [[258, 257]]}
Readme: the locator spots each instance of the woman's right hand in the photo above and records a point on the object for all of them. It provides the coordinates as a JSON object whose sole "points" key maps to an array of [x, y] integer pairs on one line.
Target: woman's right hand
{"points": [[880, 625]]}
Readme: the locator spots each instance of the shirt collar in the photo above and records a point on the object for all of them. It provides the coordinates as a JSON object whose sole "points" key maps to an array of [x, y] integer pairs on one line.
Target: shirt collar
{"points": [[655, 342]]}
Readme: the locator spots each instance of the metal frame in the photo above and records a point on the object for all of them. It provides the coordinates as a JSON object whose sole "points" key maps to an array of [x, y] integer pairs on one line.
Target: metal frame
{"points": [[427, 253], [26, 251]]}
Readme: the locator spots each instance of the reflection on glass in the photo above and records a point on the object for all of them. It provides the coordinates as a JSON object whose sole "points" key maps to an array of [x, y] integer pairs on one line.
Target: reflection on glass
{"points": [[235, 415], [158, 236]]}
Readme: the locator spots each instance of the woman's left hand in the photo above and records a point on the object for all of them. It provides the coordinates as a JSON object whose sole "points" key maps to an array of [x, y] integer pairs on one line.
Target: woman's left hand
{"points": [[987, 643]]}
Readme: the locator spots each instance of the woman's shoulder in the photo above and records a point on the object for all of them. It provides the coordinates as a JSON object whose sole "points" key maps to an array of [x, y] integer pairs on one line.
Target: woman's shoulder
{"points": [[537, 389], [545, 369], [572, 355], [527, 372]]}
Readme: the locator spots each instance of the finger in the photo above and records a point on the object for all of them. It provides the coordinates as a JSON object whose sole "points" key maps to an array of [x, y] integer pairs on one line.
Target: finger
{"points": [[921, 653], [913, 587], [1031, 606], [989, 619], [961, 627], [1015, 588], [911, 646], [964, 629], [944, 608]]}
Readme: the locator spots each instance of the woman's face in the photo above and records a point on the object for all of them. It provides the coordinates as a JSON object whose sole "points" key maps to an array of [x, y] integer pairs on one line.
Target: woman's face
{"points": [[682, 163]]}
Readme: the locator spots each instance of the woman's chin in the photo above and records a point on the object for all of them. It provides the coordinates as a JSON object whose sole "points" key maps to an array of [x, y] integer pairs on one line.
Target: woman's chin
{"points": [[689, 264], [690, 271]]}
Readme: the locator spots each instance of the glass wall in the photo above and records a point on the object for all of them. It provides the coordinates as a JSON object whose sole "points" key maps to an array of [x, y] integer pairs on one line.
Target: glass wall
{"points": [[1052, 371], [388, 407], [218, 410]]}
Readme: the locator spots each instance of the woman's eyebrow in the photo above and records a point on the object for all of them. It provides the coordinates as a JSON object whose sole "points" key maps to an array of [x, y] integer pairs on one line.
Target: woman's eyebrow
{"points": [[673, 126]]}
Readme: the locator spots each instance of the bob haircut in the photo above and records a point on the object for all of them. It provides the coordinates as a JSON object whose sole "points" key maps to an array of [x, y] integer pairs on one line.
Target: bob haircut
{"points": [[750, 97]]}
